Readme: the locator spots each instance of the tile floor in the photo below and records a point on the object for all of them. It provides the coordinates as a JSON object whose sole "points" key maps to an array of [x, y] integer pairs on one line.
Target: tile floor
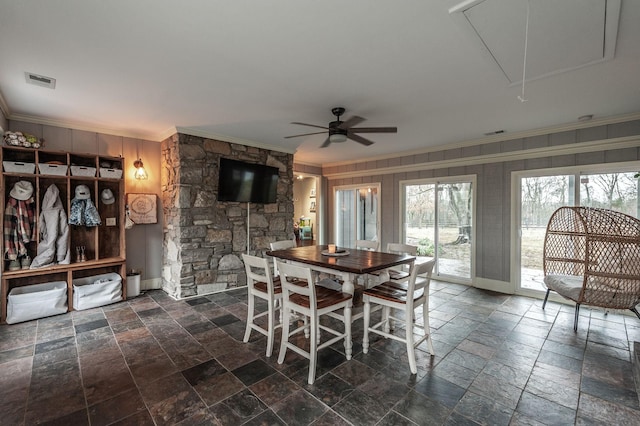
{"points": [[500, 360]]}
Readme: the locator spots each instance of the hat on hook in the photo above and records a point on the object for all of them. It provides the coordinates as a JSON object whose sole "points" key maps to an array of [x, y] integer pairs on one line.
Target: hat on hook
{"points": [[22, 190], [82, 192], [107, 196]]}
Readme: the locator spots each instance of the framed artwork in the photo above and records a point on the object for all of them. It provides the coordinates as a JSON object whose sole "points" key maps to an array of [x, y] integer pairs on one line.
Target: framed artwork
{"points": [[312, 207], [312, 193], [143, 208]]}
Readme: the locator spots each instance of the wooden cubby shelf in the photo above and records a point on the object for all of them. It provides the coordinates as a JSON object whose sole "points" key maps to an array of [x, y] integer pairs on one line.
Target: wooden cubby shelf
{"points": [[104, 245]]}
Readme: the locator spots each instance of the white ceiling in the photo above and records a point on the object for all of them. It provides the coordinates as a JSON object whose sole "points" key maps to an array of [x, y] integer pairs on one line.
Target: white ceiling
{"points": [[243, 70]]}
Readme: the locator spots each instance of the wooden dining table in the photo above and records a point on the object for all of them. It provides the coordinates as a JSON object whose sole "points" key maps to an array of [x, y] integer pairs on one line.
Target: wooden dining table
{"points": [[347, 265]]}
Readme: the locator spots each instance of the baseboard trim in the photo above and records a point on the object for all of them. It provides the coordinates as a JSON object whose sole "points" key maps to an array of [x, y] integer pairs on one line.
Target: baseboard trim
{"points": [[494, 285]]}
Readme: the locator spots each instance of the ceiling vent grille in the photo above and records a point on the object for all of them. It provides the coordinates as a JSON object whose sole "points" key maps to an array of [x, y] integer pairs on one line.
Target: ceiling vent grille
{"points": [[40, 80]]}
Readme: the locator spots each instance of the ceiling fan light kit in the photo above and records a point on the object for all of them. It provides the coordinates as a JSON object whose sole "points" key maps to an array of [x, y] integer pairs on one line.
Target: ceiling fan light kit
{"points": [[339, 131]]}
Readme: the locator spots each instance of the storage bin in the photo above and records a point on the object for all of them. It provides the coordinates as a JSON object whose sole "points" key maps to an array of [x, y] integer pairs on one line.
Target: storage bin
{"points": [[83, 171], [97, 290], [36, 301], [53, 169], [110, 173], [19, 167]]}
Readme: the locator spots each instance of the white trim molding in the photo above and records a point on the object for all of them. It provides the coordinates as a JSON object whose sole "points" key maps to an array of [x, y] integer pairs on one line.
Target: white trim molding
{"points": [[495, 285]]}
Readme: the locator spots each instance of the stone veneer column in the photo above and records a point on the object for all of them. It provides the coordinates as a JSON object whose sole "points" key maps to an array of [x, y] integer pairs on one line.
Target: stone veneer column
{"points": [[204, 239]]}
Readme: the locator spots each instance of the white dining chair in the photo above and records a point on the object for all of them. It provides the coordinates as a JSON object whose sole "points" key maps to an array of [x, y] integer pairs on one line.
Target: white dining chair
{"points": [[261, 284], [405, 297], [281, 245], [312, 301], [400, 248], [368, 280], [368, 245]]}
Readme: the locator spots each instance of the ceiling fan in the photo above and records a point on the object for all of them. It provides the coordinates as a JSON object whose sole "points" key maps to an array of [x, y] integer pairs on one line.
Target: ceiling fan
{"points": [[340, 131]]}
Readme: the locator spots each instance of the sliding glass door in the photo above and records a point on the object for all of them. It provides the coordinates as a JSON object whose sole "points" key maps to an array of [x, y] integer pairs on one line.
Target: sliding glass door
{"points": [[438, 217], [539, 194], [356, 214]]}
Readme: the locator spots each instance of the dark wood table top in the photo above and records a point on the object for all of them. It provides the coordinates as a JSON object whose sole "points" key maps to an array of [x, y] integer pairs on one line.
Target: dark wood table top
{"points": [[356, 262]]}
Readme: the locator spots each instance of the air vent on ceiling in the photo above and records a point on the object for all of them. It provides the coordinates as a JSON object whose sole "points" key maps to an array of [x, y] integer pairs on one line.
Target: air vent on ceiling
{"points": [[40, 80], [495, 132]]}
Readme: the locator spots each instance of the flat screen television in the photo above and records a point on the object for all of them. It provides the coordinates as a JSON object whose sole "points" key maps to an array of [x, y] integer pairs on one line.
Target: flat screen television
{"points": [[247, 182]]}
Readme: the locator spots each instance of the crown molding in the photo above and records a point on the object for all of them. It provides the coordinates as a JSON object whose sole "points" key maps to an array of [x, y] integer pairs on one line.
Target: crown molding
{"points": [[549, 151], [80, 126], [231, 139], [498, 138]]}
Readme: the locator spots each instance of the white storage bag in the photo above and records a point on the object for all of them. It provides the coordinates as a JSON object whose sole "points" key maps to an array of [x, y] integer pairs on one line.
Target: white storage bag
{"points": [[36, 301], [97, 290]]}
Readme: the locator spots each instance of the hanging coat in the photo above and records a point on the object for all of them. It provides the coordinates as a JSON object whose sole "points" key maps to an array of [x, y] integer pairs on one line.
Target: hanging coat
{"points": [[19, 227], [83, 212], [54, 231]]}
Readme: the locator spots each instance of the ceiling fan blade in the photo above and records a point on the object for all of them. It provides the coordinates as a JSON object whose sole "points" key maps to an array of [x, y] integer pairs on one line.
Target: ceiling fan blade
{"points": [[351, 122], [326, 143], [310, 125], [304, 134], [359, 139], [373, 130]]}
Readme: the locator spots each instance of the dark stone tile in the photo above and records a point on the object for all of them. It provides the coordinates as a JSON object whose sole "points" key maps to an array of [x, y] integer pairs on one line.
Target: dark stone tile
{"points": [[329, 389], [200, 327], [225, 320], [13, 354], [561, 361], [77, 418], [92, 325], [440, 390], [299, 408], [51, 345], [171, 399], [456, 419], [266, 418], [117, 408], [496, 389], [394, 419], [483, 410], [421, 409], [468, 360], [150, 313], [545, 411], [274, 388], [203, 372], [222, 299], [141, 418], [253, 372], [455, 373], [197, 301], [354, 372], [610, 393], [384, 390], [330, 418], [218, 388], [361, 409], [222, 415], [245, 404], [598, 410]]}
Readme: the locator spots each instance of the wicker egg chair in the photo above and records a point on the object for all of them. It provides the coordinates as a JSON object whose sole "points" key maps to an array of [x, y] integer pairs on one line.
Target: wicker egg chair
{"points": [[592, 256]]}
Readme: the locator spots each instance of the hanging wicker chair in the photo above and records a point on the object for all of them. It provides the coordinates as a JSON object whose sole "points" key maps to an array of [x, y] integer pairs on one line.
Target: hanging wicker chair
{"points": [[592, 256]]}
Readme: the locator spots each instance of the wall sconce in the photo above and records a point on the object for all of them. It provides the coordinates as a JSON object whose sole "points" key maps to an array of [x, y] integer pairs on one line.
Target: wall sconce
{"points": [[140, 173]]}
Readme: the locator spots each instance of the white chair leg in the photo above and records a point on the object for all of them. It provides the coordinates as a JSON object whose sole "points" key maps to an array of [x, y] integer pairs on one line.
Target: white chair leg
{"points": [[367, 320], [313, 351], [411, 350], [348, 344], [271, 325], [250, 309], [427, 330], [385, 317], [285, 335]]}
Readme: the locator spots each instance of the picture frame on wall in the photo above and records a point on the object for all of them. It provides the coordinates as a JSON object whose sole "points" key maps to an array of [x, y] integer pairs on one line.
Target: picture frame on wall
{"points": [[142, 208], [312, 207]]}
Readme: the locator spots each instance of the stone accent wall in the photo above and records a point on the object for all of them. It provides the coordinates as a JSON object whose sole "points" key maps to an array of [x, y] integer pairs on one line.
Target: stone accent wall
{"points": [[203, 238]]}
